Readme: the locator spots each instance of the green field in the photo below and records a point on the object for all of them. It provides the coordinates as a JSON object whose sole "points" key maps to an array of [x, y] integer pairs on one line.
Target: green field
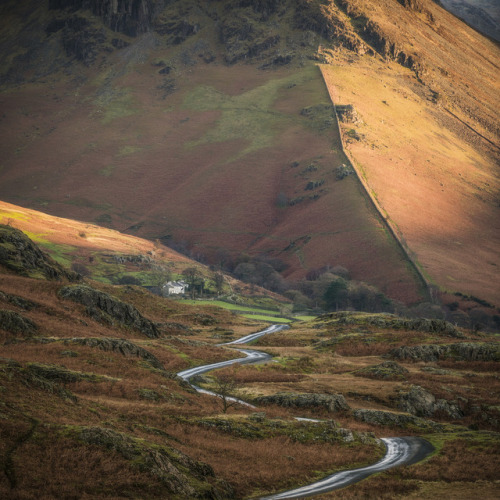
{"points": [[249, 312]]}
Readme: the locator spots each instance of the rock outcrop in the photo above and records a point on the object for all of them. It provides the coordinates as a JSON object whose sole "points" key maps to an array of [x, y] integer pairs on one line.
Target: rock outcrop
{"points": [[347, 113], [130, 17], [61, 374], [391, 419], [437, 326], [183, 476], [121, 346], [15, 323], [82, 40], [332, 402], [108, 309], [257, 426], [18, 301], [33, 378], [19, 254], [422, 403], [328, 22], [462, 351], [388, 370]]}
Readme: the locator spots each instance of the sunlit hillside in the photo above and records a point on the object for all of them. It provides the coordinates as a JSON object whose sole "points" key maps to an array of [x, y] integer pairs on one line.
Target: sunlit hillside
{"points": [[211, 128]]}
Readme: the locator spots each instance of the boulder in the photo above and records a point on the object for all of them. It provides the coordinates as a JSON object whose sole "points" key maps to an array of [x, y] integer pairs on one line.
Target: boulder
{"points": [[347, 113], [422, 403]]}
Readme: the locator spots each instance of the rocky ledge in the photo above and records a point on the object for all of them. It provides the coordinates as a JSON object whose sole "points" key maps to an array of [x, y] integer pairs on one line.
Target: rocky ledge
{"points": [[462, 351], [332, 402], [108, 309], [19, 254]]}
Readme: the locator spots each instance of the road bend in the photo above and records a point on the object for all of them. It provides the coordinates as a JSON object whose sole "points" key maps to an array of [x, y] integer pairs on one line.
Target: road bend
{"points": [[399, 450]]}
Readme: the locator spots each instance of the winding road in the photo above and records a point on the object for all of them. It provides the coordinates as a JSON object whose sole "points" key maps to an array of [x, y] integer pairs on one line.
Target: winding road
{"points": [[399, 450]]}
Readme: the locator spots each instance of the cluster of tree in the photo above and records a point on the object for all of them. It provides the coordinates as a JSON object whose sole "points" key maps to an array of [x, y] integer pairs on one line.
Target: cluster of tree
{"points": [[197, 282], [328, 288], [331, 289], [475, 318], [262, 272]]}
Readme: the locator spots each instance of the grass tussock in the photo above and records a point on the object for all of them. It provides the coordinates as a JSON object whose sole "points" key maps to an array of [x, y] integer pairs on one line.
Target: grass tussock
{"points": [[248, 374], [57, 467], [240, 461]]}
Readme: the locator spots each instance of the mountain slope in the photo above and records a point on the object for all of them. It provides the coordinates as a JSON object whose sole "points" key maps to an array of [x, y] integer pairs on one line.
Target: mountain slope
{"points": [[209, 126], [106, 255]]}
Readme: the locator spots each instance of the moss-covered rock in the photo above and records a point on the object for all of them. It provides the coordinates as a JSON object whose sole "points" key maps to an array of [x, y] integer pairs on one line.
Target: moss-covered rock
{"points": [[61, 374], [18, 301], [15, 323], [183, 476], [150, 394], [108, 309], [257, 426], [422, 403], [390, 321], [19, 254], [391, 419], [34, 379], [332, 402], [121, 346], [388, 370], [463, 351]]}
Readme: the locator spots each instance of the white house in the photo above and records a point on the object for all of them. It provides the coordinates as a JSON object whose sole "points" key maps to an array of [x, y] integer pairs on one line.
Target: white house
{"points": [[174, 287]]}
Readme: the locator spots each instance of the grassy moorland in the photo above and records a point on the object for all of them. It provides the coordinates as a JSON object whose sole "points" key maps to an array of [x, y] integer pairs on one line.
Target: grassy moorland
{"points": [[91, 406]]}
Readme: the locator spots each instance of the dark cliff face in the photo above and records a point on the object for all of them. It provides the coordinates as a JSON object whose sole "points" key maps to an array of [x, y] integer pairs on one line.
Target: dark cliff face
{"points": [[130, 17]]}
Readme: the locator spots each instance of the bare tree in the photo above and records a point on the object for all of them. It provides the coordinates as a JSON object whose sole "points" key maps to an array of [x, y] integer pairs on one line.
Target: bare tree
{"points": [[226, 389]]}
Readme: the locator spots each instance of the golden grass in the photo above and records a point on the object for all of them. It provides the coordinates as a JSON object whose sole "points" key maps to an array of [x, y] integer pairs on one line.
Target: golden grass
{"points": [[412, 153], [240, 461], [51, 466], [146, 404]]}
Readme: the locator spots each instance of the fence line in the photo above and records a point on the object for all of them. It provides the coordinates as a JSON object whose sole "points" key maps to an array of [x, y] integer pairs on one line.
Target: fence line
{"points": [[390, 226]]}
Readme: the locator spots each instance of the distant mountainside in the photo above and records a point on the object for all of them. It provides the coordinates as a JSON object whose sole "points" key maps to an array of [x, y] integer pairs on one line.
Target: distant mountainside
{"points": [[209, 127], [483, 15]]}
